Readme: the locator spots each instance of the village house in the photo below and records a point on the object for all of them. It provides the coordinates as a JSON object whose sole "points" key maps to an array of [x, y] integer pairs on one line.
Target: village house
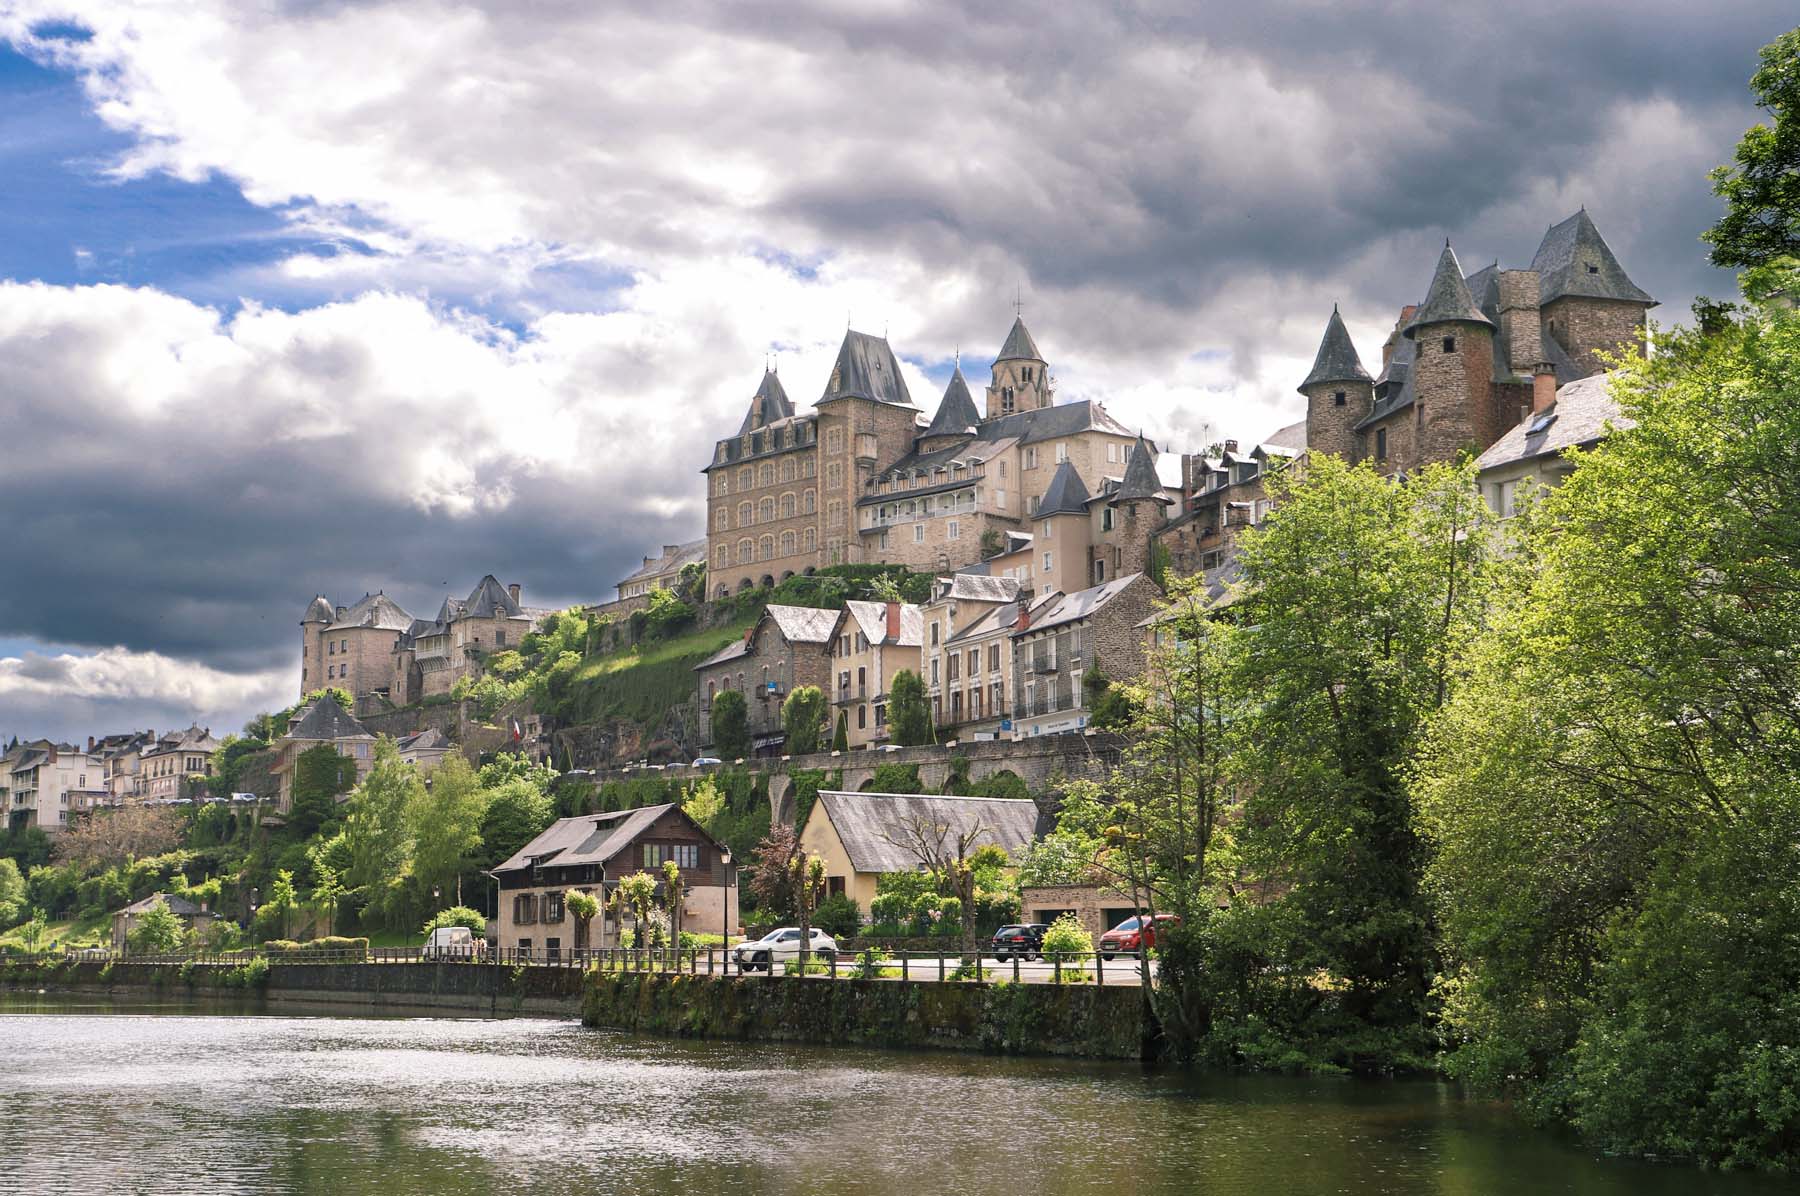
{"points": [[1096, 629], [976, 695], [323, 722], [591, 853], [1531, 452], [871, 643], [1097, 907], [783, 651], [194, 918], [959, 669], [164, 765], [865, 836], [658, 573], [1226, 491], [424, 750], [121, 757], [48, 785], [351, 648]]}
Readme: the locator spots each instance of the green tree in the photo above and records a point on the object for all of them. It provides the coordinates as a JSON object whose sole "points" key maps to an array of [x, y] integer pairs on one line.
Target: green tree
{"points": [[675, 894], [229, 760], [516, 766], [12, 894], [909, 714], [1761, 188], [274, 916], [320, 776], [730, 725], [458, 915], [635, 897], [517, 812], [803, 719], [157, 931], [444, 822], [840, 738], [584, 908], [704, 802], [1602, 789], [377, 836]]}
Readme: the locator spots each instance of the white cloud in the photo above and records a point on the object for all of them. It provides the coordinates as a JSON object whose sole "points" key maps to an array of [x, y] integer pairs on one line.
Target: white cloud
{"points": [[119, 675]]}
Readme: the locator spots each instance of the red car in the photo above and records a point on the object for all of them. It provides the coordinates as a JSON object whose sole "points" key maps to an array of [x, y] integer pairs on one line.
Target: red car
{"points": [[1134, 934]]}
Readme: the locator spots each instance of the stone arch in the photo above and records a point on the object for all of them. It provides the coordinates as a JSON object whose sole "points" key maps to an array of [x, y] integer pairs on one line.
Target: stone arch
{"points": [[782, 804], [868, 785], [743, 585], [767, 581], [787, 575]]}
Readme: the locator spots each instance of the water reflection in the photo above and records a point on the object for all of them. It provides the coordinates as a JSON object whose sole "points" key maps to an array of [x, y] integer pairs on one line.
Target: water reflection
{"points": [[158, 1099]]}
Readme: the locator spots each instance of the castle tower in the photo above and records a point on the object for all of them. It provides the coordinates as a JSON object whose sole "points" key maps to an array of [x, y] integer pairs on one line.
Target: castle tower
{"points": [[1142, 508], [319, 614], [1590, 306], [1338, 393], [866, 418], [956, 416], [1063, 532], [1021, 378], [770, 404], [1452, 371]]}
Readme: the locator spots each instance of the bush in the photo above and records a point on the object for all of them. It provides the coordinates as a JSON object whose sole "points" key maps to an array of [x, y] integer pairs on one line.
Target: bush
{"points": [[1068, 936], [949, 916], [357, 948], [456, 915], [838, 916]]}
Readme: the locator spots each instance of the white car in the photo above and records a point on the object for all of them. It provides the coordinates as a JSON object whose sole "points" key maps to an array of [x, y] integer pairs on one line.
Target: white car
{"points": [[781, 945], [452, 942]]}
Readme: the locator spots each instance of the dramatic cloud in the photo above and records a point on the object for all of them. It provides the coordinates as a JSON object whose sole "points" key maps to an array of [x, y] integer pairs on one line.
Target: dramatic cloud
{"points": [[138, 689], [548, 247]]}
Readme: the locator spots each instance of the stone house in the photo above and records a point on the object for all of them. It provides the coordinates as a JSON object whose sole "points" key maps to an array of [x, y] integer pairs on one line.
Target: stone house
{"points": [[591, 853], [1225, 492], [1532, 451], [784, 650], [351, 648], [956, 672], [864, 479], [1098, 908], [432, 655], [973, 698], [48, 785], [658, 573], [864, 836], [1065, 640], [165, 764], [196, 918], [121, 759], [870, 644], [424, 750], [322, 722]]}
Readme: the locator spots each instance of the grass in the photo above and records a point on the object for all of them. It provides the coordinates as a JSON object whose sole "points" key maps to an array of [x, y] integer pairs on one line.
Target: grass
{"points": [[646, 681], [95, 931]]}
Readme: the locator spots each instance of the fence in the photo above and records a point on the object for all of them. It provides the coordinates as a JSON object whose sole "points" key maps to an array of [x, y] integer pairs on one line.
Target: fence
{"points": [[1070, 967]]}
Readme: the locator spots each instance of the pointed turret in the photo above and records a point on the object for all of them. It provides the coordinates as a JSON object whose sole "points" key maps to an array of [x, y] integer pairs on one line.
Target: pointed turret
{"points": [[1019, 346], [1021, 378], [866, 368], [769, 405], [1065, 495], [1141, 483], [956, 414], [1574, 259], [1337, 360], [1448, 301]]}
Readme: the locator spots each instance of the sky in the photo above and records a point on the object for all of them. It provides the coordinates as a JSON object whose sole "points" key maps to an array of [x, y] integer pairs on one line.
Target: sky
{"points": [[334, 296]]}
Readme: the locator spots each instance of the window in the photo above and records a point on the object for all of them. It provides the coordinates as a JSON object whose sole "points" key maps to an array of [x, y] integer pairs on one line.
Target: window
{"points": [[993, 658], [746, 478], [1000, 498], [687, 855], [655, 854], [808, 502], [1112, 453], [918, 533], [862, 717], [765, 510], [745, 519], [499, 639], [1031, 458], [1099, 571], [787, 505], [787, 543], [331, 647], [952, 667], [720, 485], [1449, 344], [834, 513], [721, 519], [553, 907], [766, 548], [1381, 444], [746, 552], [1047, 560], [1337, 398], [1062, 452], [524, 909], [955, 531], [974, 661], [834, 440], [1106, 519], [834, 475], [766, 475], [1593, 269], [1031, 505], [809, 538]]}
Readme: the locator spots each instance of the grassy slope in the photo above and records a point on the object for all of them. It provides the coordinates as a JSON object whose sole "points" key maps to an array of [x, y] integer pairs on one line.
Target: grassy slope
{"points": [[646, 682], [86, 932]]}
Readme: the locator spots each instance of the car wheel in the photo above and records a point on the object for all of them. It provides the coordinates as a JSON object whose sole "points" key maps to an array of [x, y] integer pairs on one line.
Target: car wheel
{"points": [[1106, 955], [828, 955]]}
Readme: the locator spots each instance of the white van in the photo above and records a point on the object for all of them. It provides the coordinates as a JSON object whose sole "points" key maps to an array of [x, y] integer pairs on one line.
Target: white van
{"points": [[452, 942]]}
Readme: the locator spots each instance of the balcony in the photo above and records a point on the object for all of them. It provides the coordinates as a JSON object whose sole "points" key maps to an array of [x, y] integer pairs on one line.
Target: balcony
{"points": [[1045, 664], [849, 694]]}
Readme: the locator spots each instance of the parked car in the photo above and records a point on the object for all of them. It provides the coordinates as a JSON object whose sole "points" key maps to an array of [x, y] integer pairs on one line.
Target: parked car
{"points": [[452, 942], [1134, 934], [781, 945], [1025, 940], [705, 761]]}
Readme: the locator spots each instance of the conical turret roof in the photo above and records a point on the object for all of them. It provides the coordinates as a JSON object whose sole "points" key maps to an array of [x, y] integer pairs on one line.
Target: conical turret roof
{"points": [[1019, 346], [769, 404], [1448, 301], [319, 610], [956, 414], [1065, 495], [1337, 360], [1140, 480]]}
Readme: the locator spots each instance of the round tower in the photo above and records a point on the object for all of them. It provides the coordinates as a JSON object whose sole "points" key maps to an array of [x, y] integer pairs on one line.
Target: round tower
{"points": [[1143, 509], [1339, 393], [1452, 371], [319, 615]]}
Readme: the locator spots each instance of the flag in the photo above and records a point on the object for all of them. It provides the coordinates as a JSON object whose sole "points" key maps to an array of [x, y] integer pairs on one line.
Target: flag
{"points": [[518, 732]]}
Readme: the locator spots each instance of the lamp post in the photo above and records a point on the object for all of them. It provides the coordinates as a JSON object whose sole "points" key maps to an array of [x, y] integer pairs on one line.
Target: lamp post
{"points": [[725, 912]]}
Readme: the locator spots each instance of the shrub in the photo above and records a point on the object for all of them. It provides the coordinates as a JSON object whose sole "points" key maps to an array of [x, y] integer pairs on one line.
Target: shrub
{"points": [[456, 915], [868, 966], [889, 910], [949, 916], [838, 916], [357, 948], [730, 725], [1067, 937]]}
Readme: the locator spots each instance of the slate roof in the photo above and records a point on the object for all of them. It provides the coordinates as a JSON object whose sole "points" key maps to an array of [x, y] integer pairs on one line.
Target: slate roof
{"points": [[325, 719], [1026, 427], [1448, 299], [736, 648], [866, 368], [1070, 608], [319, 610], [1578, 417], [871, 620], [1291, 437], [374, 610], [769, 404], [979, 587], [1141, 480], [867, 823], [803, 624], [674, 558], [491, 600], [956, 413], [587, 839], [426, 740], [181, 907], [1065, 495], [194, 739], [1019, 346], [1574, 259], [1336, 360], [1002, 617]]}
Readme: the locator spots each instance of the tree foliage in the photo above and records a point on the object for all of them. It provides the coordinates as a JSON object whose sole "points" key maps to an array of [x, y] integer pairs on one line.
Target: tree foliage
{"points": [[377, 834], [156, 931], [115, 837], [321, 775], [443, 822], [909, 713], [803, 719], [730, 725], [1761, 186]]}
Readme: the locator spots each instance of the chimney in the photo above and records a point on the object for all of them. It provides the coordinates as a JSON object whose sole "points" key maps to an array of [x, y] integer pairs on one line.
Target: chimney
{"points": [[513, 589], [342, 611], [1387, 346], [90, 743], [1023, 620], [893, 622], [1543, 387], [1231, 446], [671, 549]]}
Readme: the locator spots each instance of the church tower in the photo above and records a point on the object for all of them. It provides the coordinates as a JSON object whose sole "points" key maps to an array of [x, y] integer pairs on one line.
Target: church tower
{"points": [[1021, 377]]}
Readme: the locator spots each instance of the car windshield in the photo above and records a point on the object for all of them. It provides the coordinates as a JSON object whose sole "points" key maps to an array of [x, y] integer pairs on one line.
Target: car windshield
{"points": [[774, 936], [1009, 930], [1127, 924]]}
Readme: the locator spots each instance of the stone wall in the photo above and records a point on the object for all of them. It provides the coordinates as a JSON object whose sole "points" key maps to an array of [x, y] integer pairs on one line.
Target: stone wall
{"points": [[1331, 428], [1590, 328], [1079, 1021], [1453, 407]]}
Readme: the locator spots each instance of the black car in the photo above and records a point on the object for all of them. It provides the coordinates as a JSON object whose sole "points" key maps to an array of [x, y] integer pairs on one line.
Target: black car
{"points": [[1025, 940]]}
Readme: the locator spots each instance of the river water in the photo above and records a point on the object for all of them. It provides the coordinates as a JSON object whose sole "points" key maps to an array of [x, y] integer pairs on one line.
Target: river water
{"points": [[163, 1099]]}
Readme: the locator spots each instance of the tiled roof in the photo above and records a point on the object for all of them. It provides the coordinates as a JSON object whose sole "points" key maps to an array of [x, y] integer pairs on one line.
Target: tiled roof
{"points": [[1065, 495], [426, 740], [1448, 300], [1019, 346], [491, 600], [181, 907], [769, 404], [803, 624], [1336, 360], [1579, 416], [1072, 607], [875, 827], [588, 839], [866, 368], [1574, 259], [978, 587], [871, 620], [1141, 480]]}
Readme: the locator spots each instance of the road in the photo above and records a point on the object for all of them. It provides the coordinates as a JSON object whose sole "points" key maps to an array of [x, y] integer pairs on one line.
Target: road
{"points": [[1122, 969]]}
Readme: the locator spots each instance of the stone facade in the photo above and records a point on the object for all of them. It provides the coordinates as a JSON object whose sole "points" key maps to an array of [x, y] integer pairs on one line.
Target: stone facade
{"points": [[785, 650], [1069, 638]]}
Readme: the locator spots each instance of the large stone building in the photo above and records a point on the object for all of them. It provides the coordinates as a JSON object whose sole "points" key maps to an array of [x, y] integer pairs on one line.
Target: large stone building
{"points": [[164, 765], [864, 478], [783, 651]]}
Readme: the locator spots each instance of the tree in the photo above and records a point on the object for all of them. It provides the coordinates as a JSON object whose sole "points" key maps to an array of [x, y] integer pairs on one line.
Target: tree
{"points": [[157, 931], [730, 725], [806, 880], [516, 766], [462, 915], [840, 738], [116, 837], [771, 878], [517, 812], [949, 855], [229, 760], [703, 802], [909, 714], [584, 908], [444, 822], [321, 775], [377, 836], [1610, 792], [12, 894], [1761, 189], [803, 719], [636, 897], [675, 894]]}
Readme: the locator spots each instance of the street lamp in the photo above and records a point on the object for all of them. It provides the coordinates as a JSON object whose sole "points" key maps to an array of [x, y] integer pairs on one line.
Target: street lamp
{"points": [[725, 911]]}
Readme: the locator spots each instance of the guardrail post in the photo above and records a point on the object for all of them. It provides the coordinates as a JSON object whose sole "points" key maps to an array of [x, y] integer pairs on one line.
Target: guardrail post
{"points": [[1059, 956], [905, 971], [832, 960], [1099, 970], [1015, 963], [940, 956]]}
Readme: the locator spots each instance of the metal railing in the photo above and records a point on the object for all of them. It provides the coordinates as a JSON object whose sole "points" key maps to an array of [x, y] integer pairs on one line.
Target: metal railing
{"points": [[981, 967]]}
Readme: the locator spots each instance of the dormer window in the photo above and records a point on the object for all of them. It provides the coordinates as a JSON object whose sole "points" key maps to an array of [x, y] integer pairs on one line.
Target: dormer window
{"points": [[1449, 344], [1337, 398]]}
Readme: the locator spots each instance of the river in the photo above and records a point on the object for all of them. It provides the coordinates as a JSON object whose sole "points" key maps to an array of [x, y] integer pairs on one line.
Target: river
{"points": [[123, 1098]]}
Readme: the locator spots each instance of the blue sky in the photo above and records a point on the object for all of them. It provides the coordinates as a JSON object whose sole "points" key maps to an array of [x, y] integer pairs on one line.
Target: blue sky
{"points": [[496, 302]]}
